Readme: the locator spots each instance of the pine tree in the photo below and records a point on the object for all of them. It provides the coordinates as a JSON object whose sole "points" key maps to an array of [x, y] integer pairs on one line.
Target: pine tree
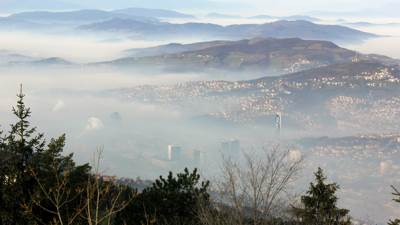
{"points": [[60, 186], [19, 147], [319, 204], [171, 200], [396, 193], [25, 164]]}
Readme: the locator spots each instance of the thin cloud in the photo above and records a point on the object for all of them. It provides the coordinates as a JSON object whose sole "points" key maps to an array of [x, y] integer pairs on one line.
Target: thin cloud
{"points": [[58, 106], [94, 124]]}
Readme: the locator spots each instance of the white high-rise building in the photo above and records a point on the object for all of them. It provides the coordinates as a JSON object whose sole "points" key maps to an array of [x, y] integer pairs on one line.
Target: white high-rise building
{"points": [[197, 157], [230, 148], [174, 153]]}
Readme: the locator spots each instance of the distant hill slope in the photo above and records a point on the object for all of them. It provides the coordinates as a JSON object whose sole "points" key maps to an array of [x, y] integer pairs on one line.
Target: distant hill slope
{"points": [[345, 96], [279, 29], [86, 16], [18, 24], [153, 30], [45, 62], [78, 17], [172, 48], [9, 59], [155, 13], [277, 56], [343, 72], [300, 29], [51, 61]]}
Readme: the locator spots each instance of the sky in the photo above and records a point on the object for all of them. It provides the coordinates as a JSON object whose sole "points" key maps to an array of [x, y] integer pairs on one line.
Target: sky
{"points": [[224, 6]]}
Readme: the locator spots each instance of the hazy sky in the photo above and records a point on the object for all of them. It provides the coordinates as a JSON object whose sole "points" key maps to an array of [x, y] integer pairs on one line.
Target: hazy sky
{"points": [[226, 6], [270, 6], [308, 5]]}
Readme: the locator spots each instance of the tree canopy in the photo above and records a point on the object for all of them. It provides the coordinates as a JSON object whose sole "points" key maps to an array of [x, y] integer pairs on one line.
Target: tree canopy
{"points": [[170, 200], [396, 194], [319, 205], [26, 159]]}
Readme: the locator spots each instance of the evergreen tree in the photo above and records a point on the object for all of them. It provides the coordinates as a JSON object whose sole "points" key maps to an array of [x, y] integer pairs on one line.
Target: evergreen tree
{"points": [[396, 193], [60, 185], [18, 150], [25, 166], [4, 159], [171, 200], [319, 204]]}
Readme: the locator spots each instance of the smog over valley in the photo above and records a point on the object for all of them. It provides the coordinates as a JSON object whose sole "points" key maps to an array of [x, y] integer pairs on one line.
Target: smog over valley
{"points": [[215, 86]]}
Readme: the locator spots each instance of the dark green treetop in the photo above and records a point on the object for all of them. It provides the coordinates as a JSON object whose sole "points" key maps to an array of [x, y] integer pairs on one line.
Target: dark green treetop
{"points": [[320, 204], [170, 200], [18, 150], [25, 159], [396, 193]]}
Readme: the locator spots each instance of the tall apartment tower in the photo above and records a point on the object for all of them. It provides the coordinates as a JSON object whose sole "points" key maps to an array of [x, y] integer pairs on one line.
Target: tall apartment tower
{"points": [[174, 153], [278, 123], [197, 157], [231, 148]]}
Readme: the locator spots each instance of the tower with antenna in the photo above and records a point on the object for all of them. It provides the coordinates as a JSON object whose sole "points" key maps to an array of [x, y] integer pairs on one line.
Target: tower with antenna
{"points": [[278, 123]]}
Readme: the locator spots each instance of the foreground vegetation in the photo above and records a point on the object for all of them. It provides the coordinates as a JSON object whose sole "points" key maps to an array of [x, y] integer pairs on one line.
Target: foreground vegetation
{"points": [[41, 185]]}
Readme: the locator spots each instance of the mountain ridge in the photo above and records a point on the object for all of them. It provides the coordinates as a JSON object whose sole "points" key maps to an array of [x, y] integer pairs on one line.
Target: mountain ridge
{"points": [[278, 29], [276, 56]]}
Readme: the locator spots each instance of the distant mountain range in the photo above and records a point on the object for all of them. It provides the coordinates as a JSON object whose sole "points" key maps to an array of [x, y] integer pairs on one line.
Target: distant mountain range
{"points": [[279, 29], [155, 13], [38, 19], [81, 16], [267, 17], [172, 48], [17, 24], [9, 59], [10, 6], [50, 62], [146, 24], [263, 16], [257, 56], [94, 15], [276, 56]]}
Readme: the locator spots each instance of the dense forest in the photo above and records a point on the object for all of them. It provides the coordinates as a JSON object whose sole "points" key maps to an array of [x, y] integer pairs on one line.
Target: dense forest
{"points": [[39, 184]]}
